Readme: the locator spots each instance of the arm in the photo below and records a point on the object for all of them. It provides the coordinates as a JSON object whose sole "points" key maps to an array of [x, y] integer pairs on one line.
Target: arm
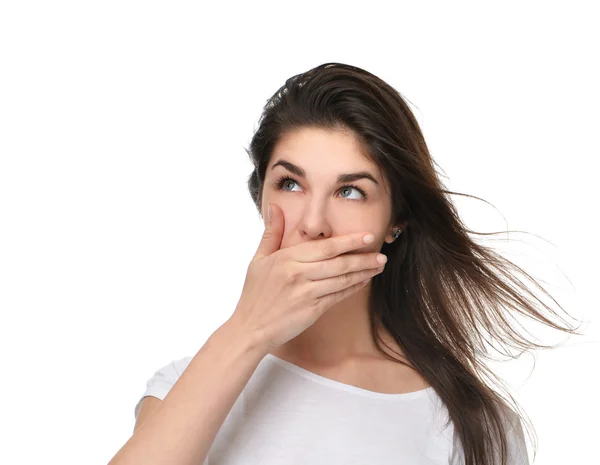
{"points": [[185, 424]]}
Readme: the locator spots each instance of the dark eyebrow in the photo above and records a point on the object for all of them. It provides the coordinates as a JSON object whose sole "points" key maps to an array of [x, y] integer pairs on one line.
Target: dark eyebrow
{"points": [[342, 178]]}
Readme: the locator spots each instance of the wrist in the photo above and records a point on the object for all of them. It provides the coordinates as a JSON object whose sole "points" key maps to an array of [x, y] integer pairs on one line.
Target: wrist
{"points": [[249, 341]]}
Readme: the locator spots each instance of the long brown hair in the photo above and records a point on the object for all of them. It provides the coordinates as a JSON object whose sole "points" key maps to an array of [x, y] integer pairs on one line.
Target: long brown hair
{"points": [[441, 294]]}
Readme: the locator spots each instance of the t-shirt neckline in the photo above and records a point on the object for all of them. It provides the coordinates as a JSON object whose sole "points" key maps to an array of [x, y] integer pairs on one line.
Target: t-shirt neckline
{"points": [[346, 387]]}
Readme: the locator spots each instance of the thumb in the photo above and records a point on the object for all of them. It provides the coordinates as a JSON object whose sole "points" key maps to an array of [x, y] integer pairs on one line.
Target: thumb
{"points": [[271, 239]]}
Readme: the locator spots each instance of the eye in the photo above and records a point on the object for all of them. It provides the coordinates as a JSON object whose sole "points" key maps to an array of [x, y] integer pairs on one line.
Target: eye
{"points": [[279, 184]]}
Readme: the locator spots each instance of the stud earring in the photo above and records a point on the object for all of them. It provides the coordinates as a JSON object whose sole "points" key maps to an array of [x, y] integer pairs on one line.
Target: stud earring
{"points": [[396, 233]]}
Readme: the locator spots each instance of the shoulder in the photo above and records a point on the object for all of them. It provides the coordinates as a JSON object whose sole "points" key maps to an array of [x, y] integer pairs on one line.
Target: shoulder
{"points": [[160, 383], [170, 372]]}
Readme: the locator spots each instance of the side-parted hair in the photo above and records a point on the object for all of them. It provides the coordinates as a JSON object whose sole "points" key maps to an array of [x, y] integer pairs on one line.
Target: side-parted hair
{"points": [[441, 295]]}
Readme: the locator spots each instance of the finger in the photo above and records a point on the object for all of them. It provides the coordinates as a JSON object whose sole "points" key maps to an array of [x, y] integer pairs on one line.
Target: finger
{"points": [[324, 249], [328, 286], [273, 233], [339, 265]]}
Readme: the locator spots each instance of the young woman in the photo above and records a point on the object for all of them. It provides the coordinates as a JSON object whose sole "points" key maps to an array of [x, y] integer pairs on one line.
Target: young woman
{"points": [[318, 366]]}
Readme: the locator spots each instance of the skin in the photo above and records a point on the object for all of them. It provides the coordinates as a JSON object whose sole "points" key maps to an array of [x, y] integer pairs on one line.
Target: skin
{"points": [[316, 208]]}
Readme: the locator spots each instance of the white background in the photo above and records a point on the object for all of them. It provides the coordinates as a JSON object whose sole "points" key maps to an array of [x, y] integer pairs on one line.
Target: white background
{"points": [[126, 226]]}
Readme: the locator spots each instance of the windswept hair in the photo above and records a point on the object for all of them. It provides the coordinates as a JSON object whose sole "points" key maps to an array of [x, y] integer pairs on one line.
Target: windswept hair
{"points": [[441, 295]]}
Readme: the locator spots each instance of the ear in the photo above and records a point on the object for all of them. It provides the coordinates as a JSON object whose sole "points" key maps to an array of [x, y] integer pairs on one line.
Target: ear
{"points": [[390, 237]]}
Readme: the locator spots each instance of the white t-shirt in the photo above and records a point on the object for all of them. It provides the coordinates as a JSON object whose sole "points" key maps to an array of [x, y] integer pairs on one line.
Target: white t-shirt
{"points": [[289, 415]]}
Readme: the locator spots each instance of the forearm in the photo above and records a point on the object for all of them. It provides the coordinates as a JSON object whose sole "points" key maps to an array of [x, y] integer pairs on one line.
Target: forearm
{"points": [[182, 431]]}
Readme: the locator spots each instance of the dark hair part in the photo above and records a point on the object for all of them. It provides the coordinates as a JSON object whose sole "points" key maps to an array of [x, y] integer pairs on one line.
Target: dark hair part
{"points": [[441, 293]]}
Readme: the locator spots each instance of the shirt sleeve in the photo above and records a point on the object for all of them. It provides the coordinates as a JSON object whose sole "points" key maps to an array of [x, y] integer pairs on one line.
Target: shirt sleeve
{"points": [[162, 381], [517, 448]]}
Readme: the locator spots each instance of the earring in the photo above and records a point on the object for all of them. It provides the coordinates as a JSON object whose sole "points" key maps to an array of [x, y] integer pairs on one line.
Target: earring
{"points": [[396, 233]]}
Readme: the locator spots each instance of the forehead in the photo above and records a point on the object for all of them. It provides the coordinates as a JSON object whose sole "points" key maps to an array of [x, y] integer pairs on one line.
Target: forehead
{"points": [[309, 147]]}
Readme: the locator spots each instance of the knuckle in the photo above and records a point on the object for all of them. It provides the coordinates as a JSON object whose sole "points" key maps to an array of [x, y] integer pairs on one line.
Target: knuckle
{"points": [[327, 248], [347, 264], [295, 272], [346, 279], [289, 274], [330, 268], [309, 296], [314, 302], [324, 265]]}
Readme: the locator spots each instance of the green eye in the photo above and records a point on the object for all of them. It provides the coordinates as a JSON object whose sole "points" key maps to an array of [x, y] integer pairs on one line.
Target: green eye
{"points": [[279, 183]]}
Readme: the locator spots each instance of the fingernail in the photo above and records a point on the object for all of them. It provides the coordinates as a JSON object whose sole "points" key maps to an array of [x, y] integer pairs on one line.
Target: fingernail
{"points": [[269, 211]]}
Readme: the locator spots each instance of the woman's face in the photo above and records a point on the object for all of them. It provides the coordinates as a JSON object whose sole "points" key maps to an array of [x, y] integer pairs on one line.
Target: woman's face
{"points": [[302, 179]]}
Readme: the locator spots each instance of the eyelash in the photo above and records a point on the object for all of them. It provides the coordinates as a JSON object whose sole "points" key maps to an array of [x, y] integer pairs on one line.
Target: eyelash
{"points": [[279, 185]]}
